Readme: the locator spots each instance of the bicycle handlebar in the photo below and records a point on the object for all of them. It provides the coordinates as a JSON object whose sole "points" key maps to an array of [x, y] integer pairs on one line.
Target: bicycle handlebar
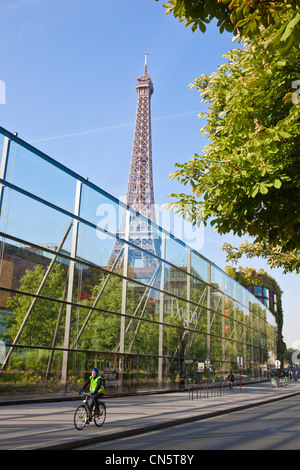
{"points": [[86, 395]]}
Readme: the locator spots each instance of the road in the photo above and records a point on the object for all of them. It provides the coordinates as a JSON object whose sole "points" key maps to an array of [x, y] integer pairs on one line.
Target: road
{"points": [[273, 426], [208, 422]]}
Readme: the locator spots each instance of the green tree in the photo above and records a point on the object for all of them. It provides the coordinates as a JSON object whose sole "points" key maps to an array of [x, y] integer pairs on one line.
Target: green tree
{"points": [[288, 355], [41, 323], [247, 180], [102, 331], [274, 255], [245, 18]]}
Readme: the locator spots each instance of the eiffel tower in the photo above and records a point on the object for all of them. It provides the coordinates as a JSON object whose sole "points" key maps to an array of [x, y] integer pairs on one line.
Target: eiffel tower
{"points": [[140, 194]]}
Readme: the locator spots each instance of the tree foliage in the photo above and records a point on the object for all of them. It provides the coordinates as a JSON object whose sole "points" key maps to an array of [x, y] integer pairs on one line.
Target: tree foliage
{"points": [[247, 180], [245, 18], [275, 257], [41, 323]]}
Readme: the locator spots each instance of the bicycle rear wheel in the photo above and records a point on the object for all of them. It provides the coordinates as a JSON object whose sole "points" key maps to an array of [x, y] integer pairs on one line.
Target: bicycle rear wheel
{"points": [[99, 418], [80, 417]]}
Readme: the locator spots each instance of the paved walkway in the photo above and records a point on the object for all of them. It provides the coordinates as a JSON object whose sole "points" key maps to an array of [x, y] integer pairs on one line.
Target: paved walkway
{"points": [[50, 425]]}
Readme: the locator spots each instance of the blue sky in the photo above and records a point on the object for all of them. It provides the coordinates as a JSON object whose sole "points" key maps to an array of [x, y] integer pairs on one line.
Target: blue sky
{"points": [[70, 69]]}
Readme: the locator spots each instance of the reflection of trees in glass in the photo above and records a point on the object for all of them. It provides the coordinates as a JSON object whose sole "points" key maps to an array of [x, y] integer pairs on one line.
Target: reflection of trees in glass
{"points": [[41, 323], [210, 326], [102, 331], [187, 339], [249, 277]]}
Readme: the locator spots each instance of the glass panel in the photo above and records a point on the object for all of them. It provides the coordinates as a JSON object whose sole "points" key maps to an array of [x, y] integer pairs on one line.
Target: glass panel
{"points": [[258, 290], [200, 267], [35, 175], [34, 222], [97, 248], [176, 253], [105, 213], [182, 306]]}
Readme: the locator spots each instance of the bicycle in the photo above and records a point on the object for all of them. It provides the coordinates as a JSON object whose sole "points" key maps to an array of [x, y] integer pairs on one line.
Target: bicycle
{"points": [[84, 415]]}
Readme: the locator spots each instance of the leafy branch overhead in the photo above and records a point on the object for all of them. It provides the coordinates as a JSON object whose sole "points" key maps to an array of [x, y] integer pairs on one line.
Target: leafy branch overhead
{"points": [[245, 18], [274, 256], [247, 179]]}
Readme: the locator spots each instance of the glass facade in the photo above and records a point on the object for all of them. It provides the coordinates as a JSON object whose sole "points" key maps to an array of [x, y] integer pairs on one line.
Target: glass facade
{"points": [[67, 305]]}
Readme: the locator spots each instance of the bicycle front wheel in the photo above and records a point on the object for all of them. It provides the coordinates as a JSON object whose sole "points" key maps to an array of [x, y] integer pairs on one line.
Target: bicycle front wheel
{"points": [[99, 418], [80, 417]]}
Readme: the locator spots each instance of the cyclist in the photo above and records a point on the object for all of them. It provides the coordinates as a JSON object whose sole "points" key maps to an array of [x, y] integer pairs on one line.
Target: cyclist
{"points": [[96, 383]]}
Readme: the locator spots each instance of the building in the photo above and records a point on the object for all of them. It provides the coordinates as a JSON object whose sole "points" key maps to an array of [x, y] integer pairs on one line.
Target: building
{"points": [[146, 326]]}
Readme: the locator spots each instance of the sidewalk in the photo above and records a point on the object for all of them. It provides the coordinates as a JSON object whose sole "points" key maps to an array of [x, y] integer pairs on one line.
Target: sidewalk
{"points": [[50, 426]]}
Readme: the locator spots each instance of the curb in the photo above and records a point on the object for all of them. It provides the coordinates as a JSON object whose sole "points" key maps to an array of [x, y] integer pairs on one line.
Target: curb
{"points": [[30, 401], [134, 432]]}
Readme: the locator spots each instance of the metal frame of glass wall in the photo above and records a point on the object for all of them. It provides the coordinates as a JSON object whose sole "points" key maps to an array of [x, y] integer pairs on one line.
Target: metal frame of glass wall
{"points": [[71, 307]]}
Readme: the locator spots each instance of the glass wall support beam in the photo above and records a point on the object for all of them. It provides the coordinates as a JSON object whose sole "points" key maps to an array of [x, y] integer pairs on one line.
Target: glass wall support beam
{"points": [[3, 167], [124, 297], [58, 321], [161, 314], [188, 298], [223, 334], [208, 344], [64, 373]]}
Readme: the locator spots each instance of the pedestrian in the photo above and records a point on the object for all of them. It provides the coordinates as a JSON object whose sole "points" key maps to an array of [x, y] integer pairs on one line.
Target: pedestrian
{"points": [[230, 379]]}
